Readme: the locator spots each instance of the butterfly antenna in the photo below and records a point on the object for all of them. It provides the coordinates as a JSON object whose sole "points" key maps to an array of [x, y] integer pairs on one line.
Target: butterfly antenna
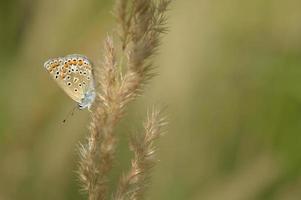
{"points": [[71, 113]]}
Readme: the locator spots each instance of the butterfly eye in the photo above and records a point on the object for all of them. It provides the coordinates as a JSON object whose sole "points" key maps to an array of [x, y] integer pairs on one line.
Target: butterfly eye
{"points": [[69, 83], [79, 84], [75, 90], [68, 77], [56, 76]]}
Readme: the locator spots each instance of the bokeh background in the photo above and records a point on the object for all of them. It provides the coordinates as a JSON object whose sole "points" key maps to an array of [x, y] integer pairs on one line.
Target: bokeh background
{"points": [[229, 73]]}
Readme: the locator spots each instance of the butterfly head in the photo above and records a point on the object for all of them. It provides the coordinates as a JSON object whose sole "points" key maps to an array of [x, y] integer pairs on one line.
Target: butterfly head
{"points": [[88, 100]]}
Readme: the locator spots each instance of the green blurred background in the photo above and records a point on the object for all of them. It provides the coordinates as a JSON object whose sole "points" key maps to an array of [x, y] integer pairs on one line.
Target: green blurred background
{"points": [[229, 73]]}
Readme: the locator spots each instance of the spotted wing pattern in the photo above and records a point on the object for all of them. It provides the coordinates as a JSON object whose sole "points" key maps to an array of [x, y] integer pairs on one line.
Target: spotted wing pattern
{"points": [[73, 74]]}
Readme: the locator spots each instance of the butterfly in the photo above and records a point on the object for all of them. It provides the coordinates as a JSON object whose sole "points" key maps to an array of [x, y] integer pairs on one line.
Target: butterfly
{"points": [[73, 73]]}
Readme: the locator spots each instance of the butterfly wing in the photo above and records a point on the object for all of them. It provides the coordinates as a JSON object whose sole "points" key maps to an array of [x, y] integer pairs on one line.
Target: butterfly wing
{"points": [[73, 74]]}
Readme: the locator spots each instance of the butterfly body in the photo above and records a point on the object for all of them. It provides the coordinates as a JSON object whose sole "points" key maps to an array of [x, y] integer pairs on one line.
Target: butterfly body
{"points": [[73, 73]]}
